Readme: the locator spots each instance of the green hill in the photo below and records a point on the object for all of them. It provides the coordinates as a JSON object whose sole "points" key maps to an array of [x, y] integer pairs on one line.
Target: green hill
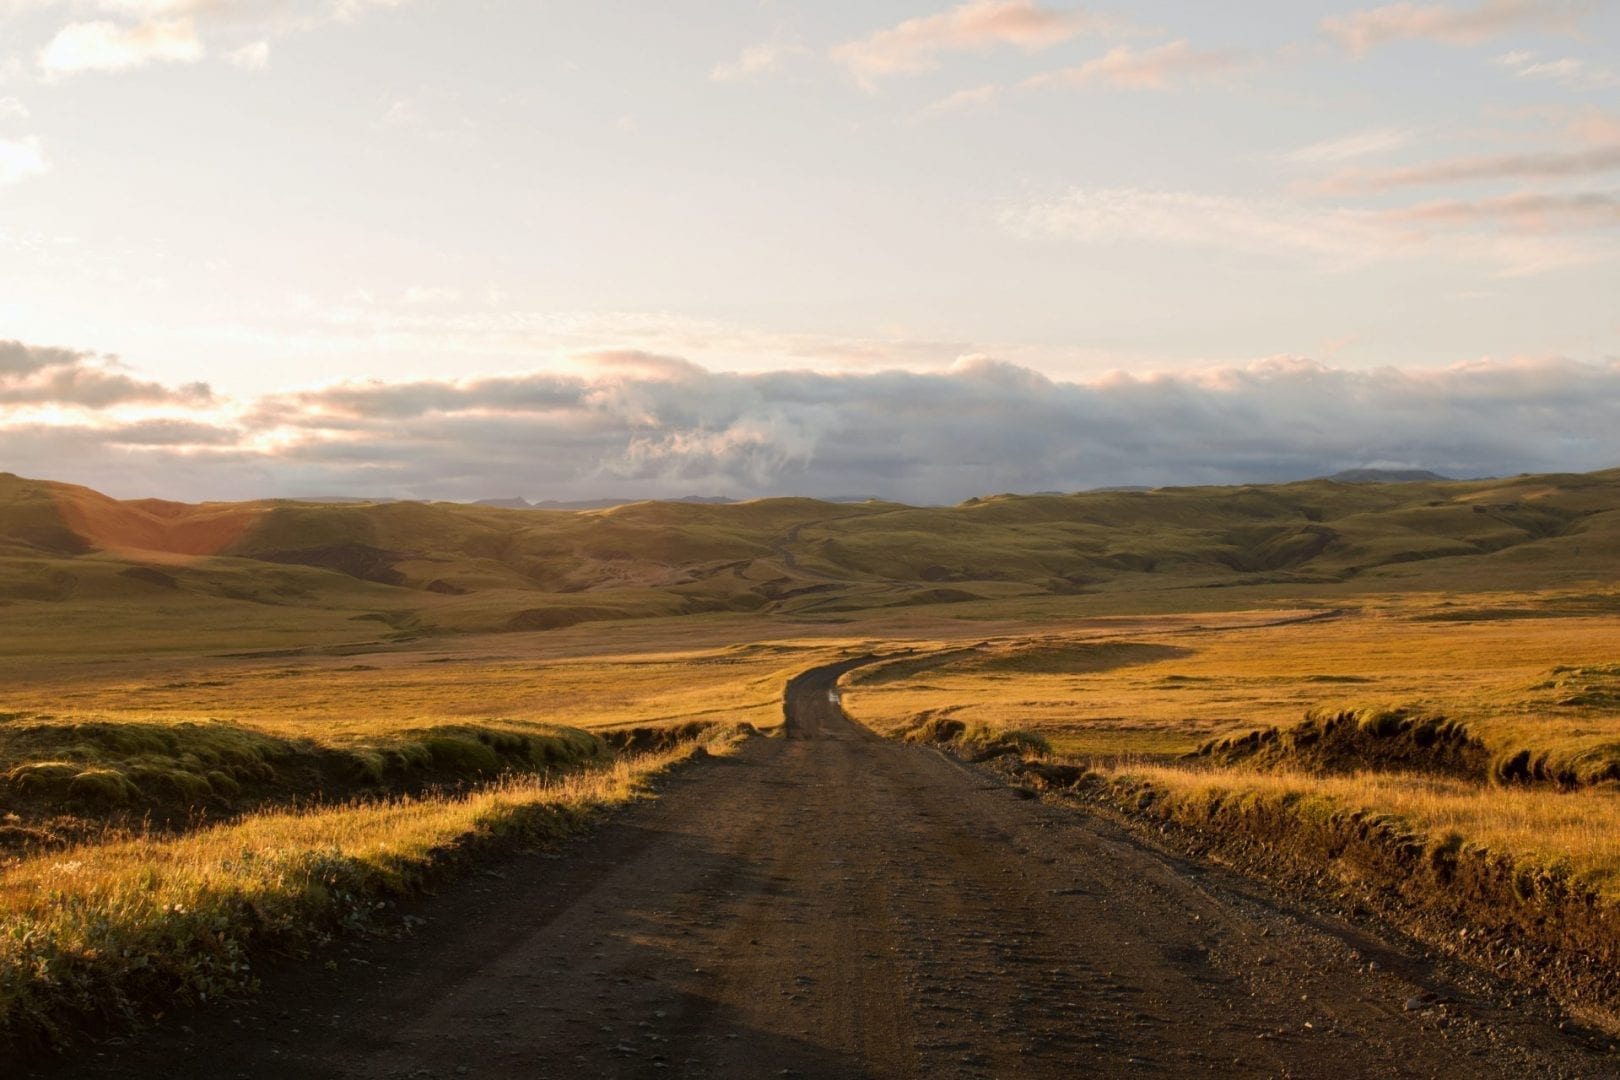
{"points": [[411, 568]]}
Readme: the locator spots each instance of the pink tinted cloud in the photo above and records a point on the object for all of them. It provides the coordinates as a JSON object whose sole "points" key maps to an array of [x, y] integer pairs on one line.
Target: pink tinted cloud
{"points": [[1547, 165], [1361, 31], [1155, 68], [917, 44], [1524, 211]]}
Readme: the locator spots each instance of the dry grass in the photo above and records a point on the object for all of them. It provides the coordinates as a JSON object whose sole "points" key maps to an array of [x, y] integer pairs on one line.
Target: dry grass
{"points": [[1134, 697], [1161, 688], [340, 700], [111, 929], [1576, 831], [211, 736]]}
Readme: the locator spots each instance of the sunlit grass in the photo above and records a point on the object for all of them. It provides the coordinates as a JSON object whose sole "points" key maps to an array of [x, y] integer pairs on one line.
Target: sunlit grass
{"points": [[1165, 689], [1577, 830], [125, 926]]}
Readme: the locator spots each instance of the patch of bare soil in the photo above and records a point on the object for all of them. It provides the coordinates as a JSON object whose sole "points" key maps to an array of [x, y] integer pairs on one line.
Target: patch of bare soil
{"points": [[834, 905]]}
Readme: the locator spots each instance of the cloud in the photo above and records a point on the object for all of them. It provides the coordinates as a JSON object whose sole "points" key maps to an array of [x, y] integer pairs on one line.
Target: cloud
{"points": [[917, 44], [168, 432], [756, 59], [983, 426], [109, 46], [20, 159], [1361, 31], [1520, 234], [431, 294], [1155, 68], [1531, 211], [1374, 142], [12, 109], [1596, 127], [19, 359], [366, 401], [1568, 71], [976, 97], [145, 32], [635, 425], [1194, 219], [33, 375], [1542, 165], [254, 56]]}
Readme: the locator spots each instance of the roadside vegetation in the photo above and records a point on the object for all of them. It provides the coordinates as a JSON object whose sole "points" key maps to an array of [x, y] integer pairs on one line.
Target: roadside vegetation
{"points": [[165, 745], [166, 821], [116, 932], [1459, 777]]}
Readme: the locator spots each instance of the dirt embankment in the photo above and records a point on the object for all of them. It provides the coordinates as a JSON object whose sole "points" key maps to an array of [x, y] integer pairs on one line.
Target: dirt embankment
{"points": [[67, 782], [1382, 739], [1356, 740], [1536, 925]]}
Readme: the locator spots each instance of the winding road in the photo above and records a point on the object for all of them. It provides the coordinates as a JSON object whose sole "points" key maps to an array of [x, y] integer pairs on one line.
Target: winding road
{"points": [[831, 904]]}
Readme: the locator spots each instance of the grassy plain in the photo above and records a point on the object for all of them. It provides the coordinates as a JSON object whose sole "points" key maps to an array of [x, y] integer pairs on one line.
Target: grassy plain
{"points": [[1155, 689], [340, 690], [1141, 698]]}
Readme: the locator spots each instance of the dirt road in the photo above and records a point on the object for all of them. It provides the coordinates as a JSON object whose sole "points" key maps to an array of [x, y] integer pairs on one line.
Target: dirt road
{"points": [[833, 905]]}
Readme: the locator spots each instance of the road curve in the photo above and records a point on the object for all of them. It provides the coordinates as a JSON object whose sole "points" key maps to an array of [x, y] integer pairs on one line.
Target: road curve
{"points": [[834, 905]]}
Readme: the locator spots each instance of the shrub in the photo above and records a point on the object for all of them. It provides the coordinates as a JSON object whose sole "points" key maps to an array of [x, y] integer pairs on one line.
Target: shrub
{"points": [[102, 787]]}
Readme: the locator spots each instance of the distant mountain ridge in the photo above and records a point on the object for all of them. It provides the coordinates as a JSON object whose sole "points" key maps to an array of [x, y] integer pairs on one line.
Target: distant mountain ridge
{"points": [[1387, 476], [596, 504]]}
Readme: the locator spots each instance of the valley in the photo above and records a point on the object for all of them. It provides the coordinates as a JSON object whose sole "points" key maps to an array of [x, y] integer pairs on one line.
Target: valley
{"points": [[237, 735]]}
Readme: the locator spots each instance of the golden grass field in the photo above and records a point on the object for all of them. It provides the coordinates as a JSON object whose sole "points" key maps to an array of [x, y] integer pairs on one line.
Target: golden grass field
{"points": [[1136, 698], [274, 707], [115, 929], [1160, 687]]}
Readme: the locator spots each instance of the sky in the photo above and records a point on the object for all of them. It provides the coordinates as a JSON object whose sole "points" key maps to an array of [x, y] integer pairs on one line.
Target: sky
{"points": [[913, 249]]}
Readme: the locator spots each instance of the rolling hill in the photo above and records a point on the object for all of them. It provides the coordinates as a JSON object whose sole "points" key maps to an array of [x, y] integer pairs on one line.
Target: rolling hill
{"points": [[436, 567]]}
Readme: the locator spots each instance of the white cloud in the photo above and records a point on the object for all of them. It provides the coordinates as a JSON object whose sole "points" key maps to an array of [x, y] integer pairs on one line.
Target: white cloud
{"points": [[254, 56], [1374, 142], [108, 46], [1194, 219], [12, 109], [1448, 24], [1155, 68], [917, 44], [1518, 234], [20, 159], [401, 113], [639, 425], [1569, 71], [756, 59], [429, 294], [145, 32], [976, 97]]}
